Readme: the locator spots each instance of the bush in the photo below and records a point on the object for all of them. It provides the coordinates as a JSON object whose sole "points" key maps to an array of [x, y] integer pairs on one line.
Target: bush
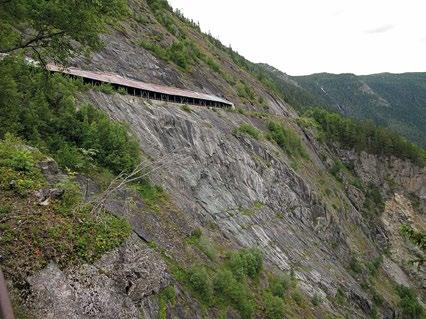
{"points": [[186, 108], [409, 304], [274, 306], [249, 130], [247, 262], [229, 291], [296, 295], [199, 281], [278, 286], [17, 166], [373, 202], [286, 139]]}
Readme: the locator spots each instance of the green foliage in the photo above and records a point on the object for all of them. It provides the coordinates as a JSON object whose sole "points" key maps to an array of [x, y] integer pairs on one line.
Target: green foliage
{"points": [[186, 108], [183, 53], [248, 129], [364, 136], [166, 296], [64, 231], [316, 300], [246, 93], [53, 28], [279, 285], [409, 304], [200, 283], [229, 291], [374, 202], [246, 262], [106, 88], [374, 266], [355, 266], [337, 170], [288, 140], [18, 169], [418, 238], [77, 138], [153, 195], [274, 306], [296, 295]]}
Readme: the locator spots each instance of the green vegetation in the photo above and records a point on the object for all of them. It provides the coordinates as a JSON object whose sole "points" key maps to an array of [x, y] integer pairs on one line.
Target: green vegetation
{"points": [[78, 138], [288, 140], [409, 304], [248, 129], [227, 285], [246, 93], [31, 235], [186, 108], [418, 238], [51, 28], [167, 296], [373, 203], [274, 306], [153, 195], [364, 136]]}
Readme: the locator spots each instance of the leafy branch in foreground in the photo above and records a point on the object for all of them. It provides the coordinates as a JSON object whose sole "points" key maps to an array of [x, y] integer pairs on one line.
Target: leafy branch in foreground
{"points": [[56, 29]]}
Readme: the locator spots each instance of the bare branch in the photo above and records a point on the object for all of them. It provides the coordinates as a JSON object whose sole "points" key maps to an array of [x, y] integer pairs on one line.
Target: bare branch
{"points": [[143, 170]]}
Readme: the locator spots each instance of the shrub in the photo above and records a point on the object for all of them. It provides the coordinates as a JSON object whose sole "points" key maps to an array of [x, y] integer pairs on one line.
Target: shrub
{"points": [[166, 296], [409, 304], [249, 130], [17, 166], [274, 306], [296, 295], [374, 202], [316, 300], [286, 139], [186, 108], [232, 292], [247, 262], [278, 286], [199, 281]]}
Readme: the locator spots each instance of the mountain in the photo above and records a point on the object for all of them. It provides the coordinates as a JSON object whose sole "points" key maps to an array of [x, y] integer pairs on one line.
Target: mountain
{"points": [[396, 101], [117, 206]]}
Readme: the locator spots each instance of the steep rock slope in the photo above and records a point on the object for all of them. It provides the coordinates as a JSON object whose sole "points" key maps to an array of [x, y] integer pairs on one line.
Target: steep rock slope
{"points": [[240, 192]]}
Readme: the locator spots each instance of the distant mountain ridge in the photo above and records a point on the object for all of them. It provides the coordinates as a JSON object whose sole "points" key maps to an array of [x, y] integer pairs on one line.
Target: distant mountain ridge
{"points": [[397, 101]]}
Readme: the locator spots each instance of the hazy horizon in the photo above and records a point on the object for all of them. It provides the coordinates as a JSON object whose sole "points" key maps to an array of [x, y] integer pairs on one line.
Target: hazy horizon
{"points": [[307, 37]]}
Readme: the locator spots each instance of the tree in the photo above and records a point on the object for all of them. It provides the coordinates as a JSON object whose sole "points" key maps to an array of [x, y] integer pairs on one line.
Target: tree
{"points": [[57, 29]]}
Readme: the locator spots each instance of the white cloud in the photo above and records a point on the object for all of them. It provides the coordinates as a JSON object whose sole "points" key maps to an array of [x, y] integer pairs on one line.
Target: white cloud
{"points": [[309, 36], [381, 29]]}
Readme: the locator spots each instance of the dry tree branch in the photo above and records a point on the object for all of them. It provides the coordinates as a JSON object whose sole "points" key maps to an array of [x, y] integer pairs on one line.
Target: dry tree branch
{"points": [[144, 169]]}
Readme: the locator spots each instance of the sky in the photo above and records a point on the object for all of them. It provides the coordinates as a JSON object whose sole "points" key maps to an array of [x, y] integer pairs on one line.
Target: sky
{"points": [[310, 36]]}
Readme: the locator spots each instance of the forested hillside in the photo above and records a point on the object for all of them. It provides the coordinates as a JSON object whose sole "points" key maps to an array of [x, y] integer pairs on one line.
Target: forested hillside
{"points": [[396, 101]]}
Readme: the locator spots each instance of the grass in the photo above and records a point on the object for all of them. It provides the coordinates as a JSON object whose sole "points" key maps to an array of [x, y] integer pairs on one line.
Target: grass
{"points": [[248, 130], [64, 231], [153, 195], [286, 139]]}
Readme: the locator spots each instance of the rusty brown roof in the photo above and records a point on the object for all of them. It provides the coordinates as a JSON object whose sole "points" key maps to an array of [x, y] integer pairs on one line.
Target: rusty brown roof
{"points": [[120, 80]]}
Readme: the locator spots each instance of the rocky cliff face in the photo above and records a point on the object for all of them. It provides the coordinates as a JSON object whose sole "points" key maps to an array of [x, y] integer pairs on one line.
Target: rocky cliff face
{"points": [[241, 192]]}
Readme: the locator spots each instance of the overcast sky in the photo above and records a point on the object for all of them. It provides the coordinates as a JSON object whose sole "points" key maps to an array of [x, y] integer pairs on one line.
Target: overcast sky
{"points": [[311, 36]]}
